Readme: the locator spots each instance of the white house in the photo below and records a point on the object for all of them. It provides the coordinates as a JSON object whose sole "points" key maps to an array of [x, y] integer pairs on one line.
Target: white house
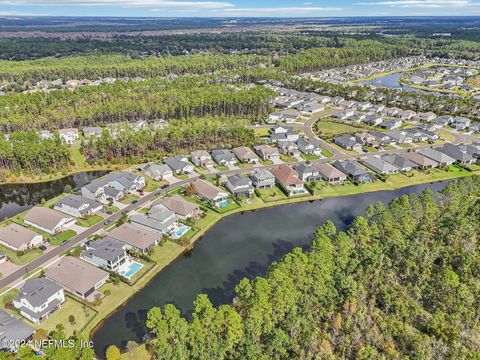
{"points": [[48, 220]]}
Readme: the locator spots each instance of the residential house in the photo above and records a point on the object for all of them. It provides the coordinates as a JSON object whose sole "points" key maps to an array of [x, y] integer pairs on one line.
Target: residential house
{"points": [[45, 134], [77, 206], [157, 171], [347, 142], [354, 171], [443, 120], [312, 108], [106, 253], [274, 117], [266, 152], [427, 116], [308, 148], [330, 174], [400, 136], [135, 237], [38, 298], [461, 123], [201, 158], [13, 332], [224, 157], [455, 152], [441, 158], [246, 155], [288, 148], [290, 115], [92, 132], [288, 179], [69, 136], [159, 218], [421, 161], [262, 179], [182, 208], [379, 165], [391, 124], [77, 277], [179, 164], [239, 185], [373, 119], [209, 192], [400, 162], [113, 186], [307, 172], [48, 220], [19, 238], [472, 149]]}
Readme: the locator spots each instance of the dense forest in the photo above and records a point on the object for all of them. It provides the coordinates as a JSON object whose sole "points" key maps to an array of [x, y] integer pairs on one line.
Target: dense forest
{"points": [[402, 282], [152, 99], [25, 151], [180, 137]]}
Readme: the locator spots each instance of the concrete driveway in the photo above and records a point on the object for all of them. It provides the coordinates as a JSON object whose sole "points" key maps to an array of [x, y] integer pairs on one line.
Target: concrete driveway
{"points": [[171, 179]]}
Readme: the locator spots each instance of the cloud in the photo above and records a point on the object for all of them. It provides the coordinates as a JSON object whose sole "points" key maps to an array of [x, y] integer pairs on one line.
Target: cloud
{"points": [[423, 3], [274, 11], [164, 4]]}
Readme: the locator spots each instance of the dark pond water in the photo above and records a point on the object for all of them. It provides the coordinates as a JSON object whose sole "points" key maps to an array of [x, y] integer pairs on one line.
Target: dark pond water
{"points": [[392, 81], [17, 198], [242, 245]]}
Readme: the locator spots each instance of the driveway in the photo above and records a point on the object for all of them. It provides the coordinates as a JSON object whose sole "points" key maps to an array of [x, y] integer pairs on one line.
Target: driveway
{"points": [[232, 167], [277, 161], [171, 179], [211, 169], [7, 268]]}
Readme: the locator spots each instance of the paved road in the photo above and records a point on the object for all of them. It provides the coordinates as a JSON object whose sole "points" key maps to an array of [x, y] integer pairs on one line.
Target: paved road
{"points": [[46, 258]]}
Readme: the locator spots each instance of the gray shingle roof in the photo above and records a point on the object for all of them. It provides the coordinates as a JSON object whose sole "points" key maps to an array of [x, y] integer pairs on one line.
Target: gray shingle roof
{"points": [[107, 249], [12, 329], [37, 291]]}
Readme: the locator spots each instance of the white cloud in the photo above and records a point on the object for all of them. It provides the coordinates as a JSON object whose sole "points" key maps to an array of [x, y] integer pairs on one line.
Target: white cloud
{"points": [[423, 3], [164, 4], [274, 11]]}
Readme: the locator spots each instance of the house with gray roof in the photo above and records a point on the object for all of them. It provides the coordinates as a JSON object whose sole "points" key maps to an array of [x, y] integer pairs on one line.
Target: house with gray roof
{"points": [[159, 218], [182, 208], [262, 179], [106, 253], [246, 155], [330, 174], [113, 186], [354, 171], [422, 161], [90, 132], [38, 298], [224, 157], [77, 206], [455, 152], [379, 165], [201, 158], [179, 164], [400, 162], [461, 123], [472, 149], [347, 142], [157, 171], [308, 148], [239, 185], [307, 172], [441, 158], [135, 237], [13, 332], [400, 136], [19, 238], [266, 152], [288, 148]]}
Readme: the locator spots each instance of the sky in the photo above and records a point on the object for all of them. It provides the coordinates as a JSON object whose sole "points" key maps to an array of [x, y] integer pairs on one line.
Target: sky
{"points": [[239, 8]]}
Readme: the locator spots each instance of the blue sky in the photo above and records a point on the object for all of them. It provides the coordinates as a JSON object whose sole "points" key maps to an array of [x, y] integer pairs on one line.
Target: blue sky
{"points": [[239, 8]]}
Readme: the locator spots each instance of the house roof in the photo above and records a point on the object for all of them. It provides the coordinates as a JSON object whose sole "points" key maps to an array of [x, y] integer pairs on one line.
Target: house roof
{"points": [[223, 154], [107, 249], [158, 218], [262, 174], [156, 170], [200, 153], [178, 205], [265, 150], [73, 273], [38, 291], [438, 156], [350, 167], [244, 152], [456, 153], [420, 159], [135, 236], [12, 330], [379, 165], [238, 180], [178, 162], [328, 171], [77, 201], [206, 190], [399, 161], [45, 217], [286, 175], [304, 168], [16, 235]]}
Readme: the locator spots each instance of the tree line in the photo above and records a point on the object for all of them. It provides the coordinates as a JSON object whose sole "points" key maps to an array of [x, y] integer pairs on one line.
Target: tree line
{"points": [[402, 282], [180, 137]]}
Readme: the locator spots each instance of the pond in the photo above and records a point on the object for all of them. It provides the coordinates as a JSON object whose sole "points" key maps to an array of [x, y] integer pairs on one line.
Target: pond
{"points": [[392, 81], [242, 245], [16, 198]]}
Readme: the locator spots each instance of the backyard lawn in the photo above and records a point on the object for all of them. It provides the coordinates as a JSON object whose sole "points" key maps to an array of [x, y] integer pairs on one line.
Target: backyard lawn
{"points": [[273, 194]]}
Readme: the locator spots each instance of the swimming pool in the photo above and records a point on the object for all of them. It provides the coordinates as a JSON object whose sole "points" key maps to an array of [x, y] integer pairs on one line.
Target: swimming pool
{"points": [[223, 203], [180, 231], [130, 268]]}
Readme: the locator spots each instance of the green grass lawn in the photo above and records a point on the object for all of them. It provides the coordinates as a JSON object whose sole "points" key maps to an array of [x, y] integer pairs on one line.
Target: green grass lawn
{"points": [[245, 166], [152, 185], [328, 129], [342, 150], [89, 220], [140, 353], [261, 131], [287, 159], [273, 194], [129, 198], [21, 259], [389, 147], [59, 238], [447, 136], [224, 209], [309, 157], [369, 149], [82, 314], [266, 162], [327, 153], [405, 146]]}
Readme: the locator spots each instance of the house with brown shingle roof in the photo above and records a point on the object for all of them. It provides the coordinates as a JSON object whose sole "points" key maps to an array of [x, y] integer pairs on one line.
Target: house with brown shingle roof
{"points": [[48, 220], [246, 155], [19, 238], [209, 192], [77, 277], [288, 179], [266, 152], [422, 161], [136, 237], [330, 173]]}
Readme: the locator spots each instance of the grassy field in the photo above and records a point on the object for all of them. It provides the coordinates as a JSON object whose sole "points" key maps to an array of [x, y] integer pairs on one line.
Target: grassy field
{"points": [[59, 238], [273, 194], [261, 131], [127, 200], [89, 220], [140, 353], [328, 129]]}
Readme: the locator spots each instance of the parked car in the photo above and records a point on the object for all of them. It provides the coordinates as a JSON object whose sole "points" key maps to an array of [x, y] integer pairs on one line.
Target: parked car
{"points": [[106, 222], [42, 247], [109, 212], [134, 202], [64, 242]]}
